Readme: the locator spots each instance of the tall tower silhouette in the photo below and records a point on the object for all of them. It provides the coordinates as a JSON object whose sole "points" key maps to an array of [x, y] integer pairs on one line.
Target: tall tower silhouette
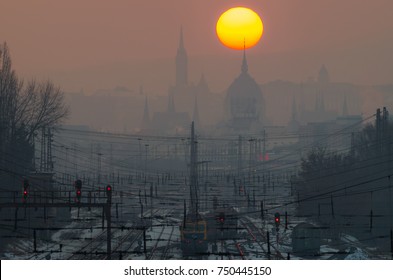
{"points": [[181, 63], [244, 63]]}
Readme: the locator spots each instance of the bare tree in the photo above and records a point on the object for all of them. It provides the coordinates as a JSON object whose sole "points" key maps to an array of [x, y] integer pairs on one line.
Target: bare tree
{"points": [[33, 106], [24, 110], [40, 105], [10, 87]]}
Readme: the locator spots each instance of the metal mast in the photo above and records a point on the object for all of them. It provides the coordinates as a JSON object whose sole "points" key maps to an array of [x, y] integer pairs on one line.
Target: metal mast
{"points": [[193, 175]]}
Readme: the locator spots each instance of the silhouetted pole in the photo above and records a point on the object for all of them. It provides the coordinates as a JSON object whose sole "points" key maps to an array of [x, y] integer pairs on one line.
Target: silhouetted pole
{"points": [[144, 241], [286, 220], [35, 241], [268, 244], [239, 157], [262, 214], [16, 219], [109, 229], [184, 216], [391, 242], [103, 218], [332, 205]]}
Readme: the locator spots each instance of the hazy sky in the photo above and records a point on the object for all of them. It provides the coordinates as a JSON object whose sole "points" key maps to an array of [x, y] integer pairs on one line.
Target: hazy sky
{"points": [[94, 44]]}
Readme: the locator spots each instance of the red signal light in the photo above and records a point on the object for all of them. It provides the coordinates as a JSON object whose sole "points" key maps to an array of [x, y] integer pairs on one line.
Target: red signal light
{"points": [[26, 186], [109, 192], [277, 220], [221, 218], [78, 195]]}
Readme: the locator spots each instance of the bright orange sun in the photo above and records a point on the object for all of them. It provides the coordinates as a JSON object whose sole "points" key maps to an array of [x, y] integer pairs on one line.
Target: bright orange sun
{"points": [[239, 28]]}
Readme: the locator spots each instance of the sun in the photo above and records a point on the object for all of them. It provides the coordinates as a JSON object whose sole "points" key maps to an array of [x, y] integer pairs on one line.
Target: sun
{"points": [[239, 28]]}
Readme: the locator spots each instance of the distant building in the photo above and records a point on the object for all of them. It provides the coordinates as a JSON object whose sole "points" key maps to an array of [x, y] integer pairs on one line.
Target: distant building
{"points": [[334, 135], [293, 125], [188, 97], [244, 104], [170, 122], [323, 77]]}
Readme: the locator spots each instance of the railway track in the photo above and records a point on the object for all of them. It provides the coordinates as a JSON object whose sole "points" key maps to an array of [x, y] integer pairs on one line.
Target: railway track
{"points": [[154, 248], [260, 238], [92, 247], [166, 249], [96, 248]]}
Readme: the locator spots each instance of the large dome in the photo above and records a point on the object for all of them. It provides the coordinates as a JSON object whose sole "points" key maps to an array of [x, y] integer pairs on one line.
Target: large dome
{"points": [[244, 97]]}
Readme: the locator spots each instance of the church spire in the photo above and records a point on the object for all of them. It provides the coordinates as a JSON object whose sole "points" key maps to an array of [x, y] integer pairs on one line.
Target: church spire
{"points": [[181, 43], [244, 64], [181, 63]]}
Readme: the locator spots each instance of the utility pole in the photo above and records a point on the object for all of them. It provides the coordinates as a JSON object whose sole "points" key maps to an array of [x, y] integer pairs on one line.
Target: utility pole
{"points": [[391, 242], [49, 159], [264, 144], [61, 204], [109, 229], [43, 151], [378, 130], [140, 152], [286, 220], [74, 148], [193, 174], [146, 147], [111, 170], [332, 205], [262, 214], [99, 154], [268, 244]]}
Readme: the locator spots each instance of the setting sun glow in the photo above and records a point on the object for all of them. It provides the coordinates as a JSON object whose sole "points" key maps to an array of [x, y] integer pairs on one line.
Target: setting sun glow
{"points": [[239, 28]]}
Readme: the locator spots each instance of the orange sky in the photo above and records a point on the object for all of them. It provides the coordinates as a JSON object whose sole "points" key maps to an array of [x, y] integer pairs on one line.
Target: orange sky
{"points": [[72, 41]]}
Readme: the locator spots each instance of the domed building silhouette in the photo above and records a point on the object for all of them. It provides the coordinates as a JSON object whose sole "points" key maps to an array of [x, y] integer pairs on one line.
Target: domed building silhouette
{"points": [[244, 104]]}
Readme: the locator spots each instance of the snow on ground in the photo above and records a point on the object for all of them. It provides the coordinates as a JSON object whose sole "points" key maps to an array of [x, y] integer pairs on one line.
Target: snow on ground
{"points": [[357, 254], [349, 238]]}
